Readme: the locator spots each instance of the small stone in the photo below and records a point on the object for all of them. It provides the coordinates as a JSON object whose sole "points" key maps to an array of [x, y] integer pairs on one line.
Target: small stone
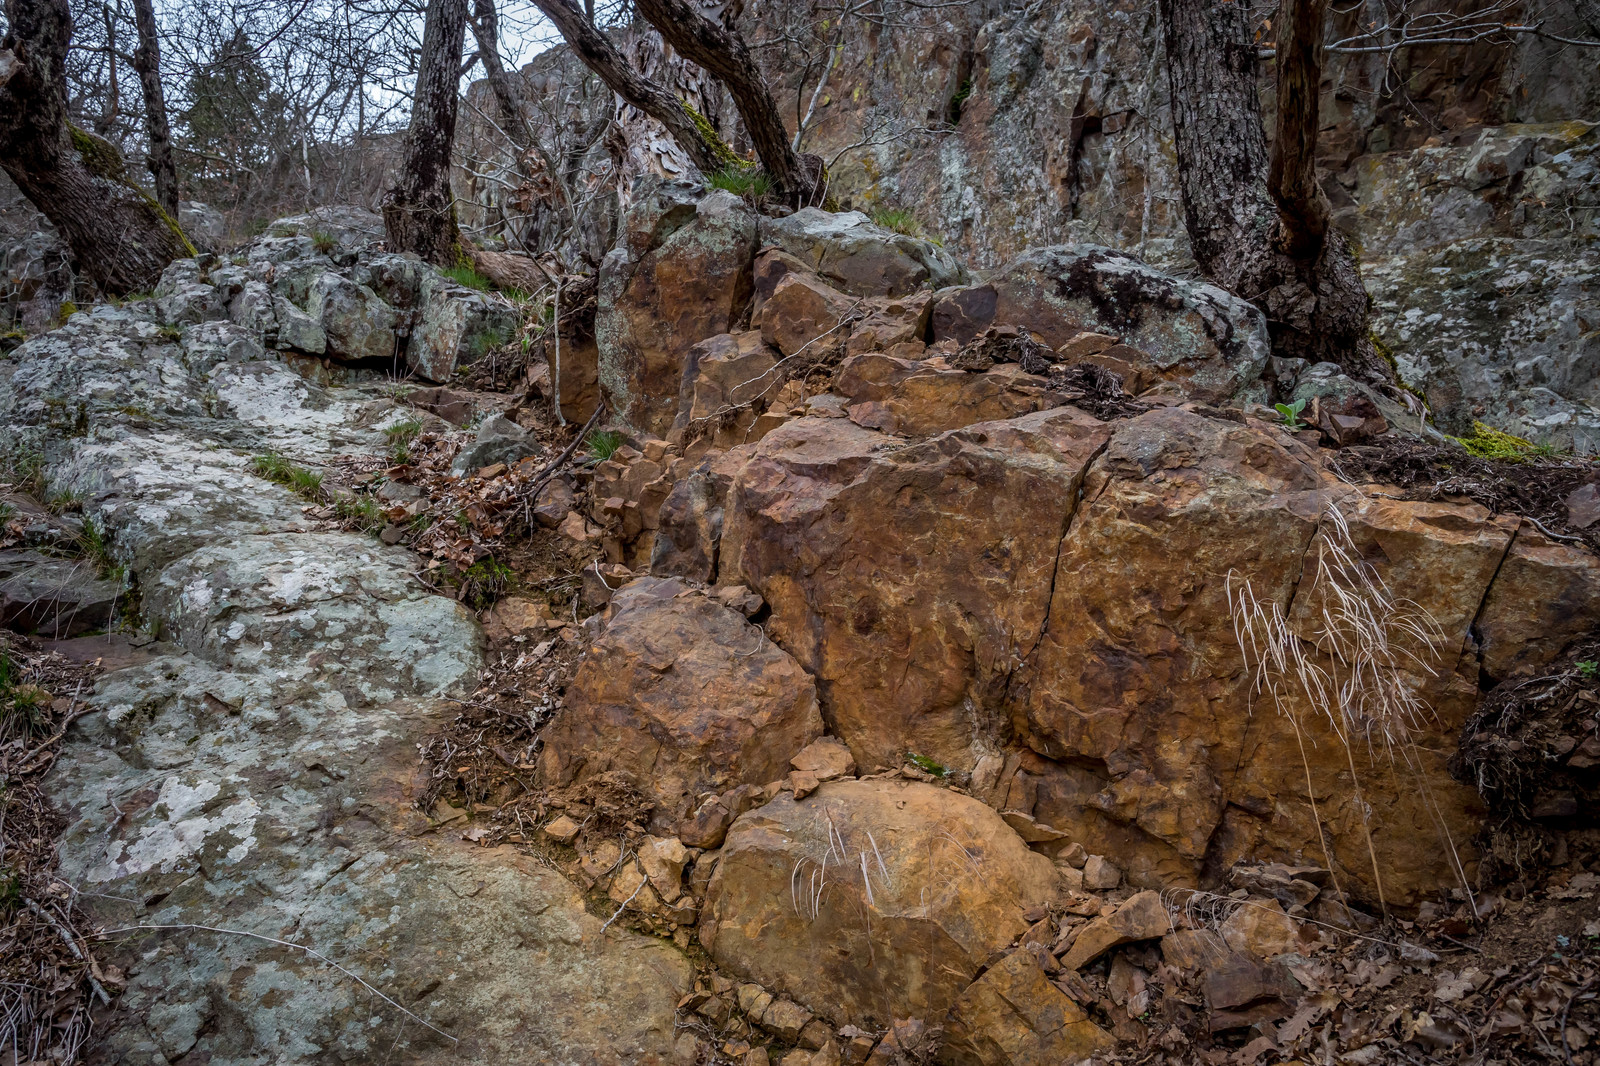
{"points": [[785, 1019], [392, 534], [493, 470], [827, 758], [707, 827], [1141, 917], [1583, 506], [575, 528], [1071, 879], [553, 503], [757, 1056], [1099, 875], [797, 1057], [663, 859], [826, 1055], [1074, 855], [816, 1036], [754, 1000], [561, 830], [803, 783], [856, 1045]]}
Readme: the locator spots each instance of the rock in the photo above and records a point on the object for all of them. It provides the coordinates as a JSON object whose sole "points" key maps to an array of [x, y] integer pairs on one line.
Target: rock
{"points": [[519, 616], [663, 859], [52, 597], [553, 503], [826, 758], [499, 440], [708, 826], [680, 274], [453, 407], [685, 696], [204, 225], [918, 398], [1191, 339], [942, 551], [726, 382], [298, 330], [805, 320], [1261, 928], [938, 873], [1014, 1016], [1193, 950], [1238, 981], [1291, 886], [561, 829], [1100, 875], [575, 528], [785, 1019], [1140, 917], [457, 326], [860, 258], [357, 325], [1545, 596], [1583, 506], [351, 228], [689, 524]]}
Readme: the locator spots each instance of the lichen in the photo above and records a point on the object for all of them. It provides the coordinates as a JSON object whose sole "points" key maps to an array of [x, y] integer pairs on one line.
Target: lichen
{"points": [[719, 148]]}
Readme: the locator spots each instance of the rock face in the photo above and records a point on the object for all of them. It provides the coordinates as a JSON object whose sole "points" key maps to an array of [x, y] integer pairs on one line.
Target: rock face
{"points": [[680, 274], [870, 900], [1194, 339], [920, 397], [909, 626], [684, 697], [54, 597], [258, 774]]}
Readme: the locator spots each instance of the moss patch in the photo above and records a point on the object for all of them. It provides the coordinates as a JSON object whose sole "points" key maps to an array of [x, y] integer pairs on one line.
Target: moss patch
{"points": [[719, 147], [103, 160]]}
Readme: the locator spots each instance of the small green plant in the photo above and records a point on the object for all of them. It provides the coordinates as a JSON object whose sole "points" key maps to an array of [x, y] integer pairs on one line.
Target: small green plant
{"points": [[602, 444], [927, 765], [10, 889], [484, 581], [1588, 669], [297, 479], [898, 221], [487, 341], [1291, 414], [742, 181], [7, 512], [462, 274], [170, 333], [400, 437], [22, 467], [96, 547], [958, 102], [363, 511], [325, 243]]}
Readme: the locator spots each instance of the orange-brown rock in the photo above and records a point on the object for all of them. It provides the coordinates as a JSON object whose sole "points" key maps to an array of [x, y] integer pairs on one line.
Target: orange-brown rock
{"points": [[1194, 339], [1542, 599], [909, 580], [1141, 917], [683, 696], [689, 522], [923, 397], [1014, 1016], [680, 274], [871, 899], [805, 319], [727, 382]]}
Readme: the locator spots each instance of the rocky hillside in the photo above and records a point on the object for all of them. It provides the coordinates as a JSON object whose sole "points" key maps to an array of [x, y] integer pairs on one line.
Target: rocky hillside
{"points": [[915, 665]]}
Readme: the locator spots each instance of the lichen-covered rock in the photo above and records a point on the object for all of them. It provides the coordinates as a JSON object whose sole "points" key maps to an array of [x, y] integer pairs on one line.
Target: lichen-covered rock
{"points": [[860, 258], [1189, 338], [457, 327], [684, 697], [910, 580], [870, 900], [680, 274], [358, 325], [54, 597]]}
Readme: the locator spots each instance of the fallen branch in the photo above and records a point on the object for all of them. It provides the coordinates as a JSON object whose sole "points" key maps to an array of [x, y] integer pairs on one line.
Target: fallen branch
{"points": [[72, 945], [532, 491]]}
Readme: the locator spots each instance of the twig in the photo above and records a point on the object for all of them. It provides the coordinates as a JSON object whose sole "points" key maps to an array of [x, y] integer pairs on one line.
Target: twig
{"points": [[72, 946], [287, 944], [1546, 532], [624, 905], [555, 466]]}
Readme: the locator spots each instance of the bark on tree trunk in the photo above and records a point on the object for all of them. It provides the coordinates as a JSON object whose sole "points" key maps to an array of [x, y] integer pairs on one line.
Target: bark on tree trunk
{"points": [[147, 63], [118, 235], [611, 67], [1259, 227], [418, 210], [723, 54], [1589, 12]]}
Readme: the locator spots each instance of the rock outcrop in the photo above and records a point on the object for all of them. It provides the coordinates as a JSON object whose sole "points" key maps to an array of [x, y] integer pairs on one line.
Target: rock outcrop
{"points": [[871, 900]]}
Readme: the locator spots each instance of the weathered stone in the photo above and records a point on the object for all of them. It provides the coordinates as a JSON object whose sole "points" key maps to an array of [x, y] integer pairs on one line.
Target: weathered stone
{"points": [[1014, 1016], [860, 258], [1196, 340], [562, 829], [921, 885], [1192, 950], [662, 859], [499, 440], [727, 380], [553, 503], [1140, 917], [1100, 874], [457, 326], [1261, 928], [921, 398], [680, 275], [805, 320], [357, 324], [52, 597], [689, 524], [825, 757], [685, 696], [907, 578], [1544, 596], [298, 330]]}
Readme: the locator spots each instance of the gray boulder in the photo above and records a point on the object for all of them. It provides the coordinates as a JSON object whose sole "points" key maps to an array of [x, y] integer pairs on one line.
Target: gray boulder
{"points": [[52, 596], [500, 440], [456, 326], [862, 258], [358, 325]]}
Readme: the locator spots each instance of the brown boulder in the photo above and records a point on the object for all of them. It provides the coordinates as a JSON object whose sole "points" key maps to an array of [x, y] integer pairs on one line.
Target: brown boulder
{"points": [[1545, 596], [923, 397], [1014, 1016], [909, 580], [682, 695], [1141, 917], [727, 381], [689, 522], [681, 274], [805, 320], [871, 899], [1192, 338]]}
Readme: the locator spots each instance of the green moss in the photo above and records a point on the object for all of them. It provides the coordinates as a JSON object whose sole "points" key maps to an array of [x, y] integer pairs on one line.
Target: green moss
{"points": [[103, 160], [1486, 442], [463, 274], [719, 147]]}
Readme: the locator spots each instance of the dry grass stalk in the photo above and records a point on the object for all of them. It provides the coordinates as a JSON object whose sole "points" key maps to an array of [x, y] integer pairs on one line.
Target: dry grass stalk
{"points": [[1355, 669]]}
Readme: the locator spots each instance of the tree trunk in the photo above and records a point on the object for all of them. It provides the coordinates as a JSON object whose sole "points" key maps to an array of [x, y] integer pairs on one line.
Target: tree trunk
{"points": [[1589, 12], [611, 67], [418, 211], [118, 235], [485, 24], [1259, 226], [147, 63], [723, 54]]}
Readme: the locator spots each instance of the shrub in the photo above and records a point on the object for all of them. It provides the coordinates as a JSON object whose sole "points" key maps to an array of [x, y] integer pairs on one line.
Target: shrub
{"points": [[325, 243]]}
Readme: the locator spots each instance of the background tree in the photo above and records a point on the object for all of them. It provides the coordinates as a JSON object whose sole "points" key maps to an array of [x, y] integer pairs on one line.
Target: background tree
{"points": [[418, 212], [1258, 224], [158, 152], [117, 234]]}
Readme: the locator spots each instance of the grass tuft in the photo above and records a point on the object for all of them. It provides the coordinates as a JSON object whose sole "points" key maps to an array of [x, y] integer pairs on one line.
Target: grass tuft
{"points": [[898, 221], [400, 437], [325, 243], [742, 181], [602, 444], [362, 511], [298, 479], [462, 274]]}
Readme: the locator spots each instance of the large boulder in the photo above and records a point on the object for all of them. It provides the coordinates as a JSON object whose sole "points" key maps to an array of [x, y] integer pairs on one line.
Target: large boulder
{"points": [[356, 323], [910, 580], [871, 900], [1014, 1016], [457, 326], [682, 696], [853, 254], [1185, 338], [680, 274]]}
